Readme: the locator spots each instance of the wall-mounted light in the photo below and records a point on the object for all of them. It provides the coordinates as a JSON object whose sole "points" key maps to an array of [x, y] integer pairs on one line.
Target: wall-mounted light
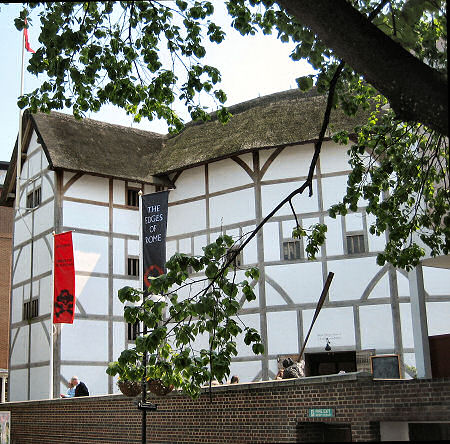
{"points": [[328, 347]]}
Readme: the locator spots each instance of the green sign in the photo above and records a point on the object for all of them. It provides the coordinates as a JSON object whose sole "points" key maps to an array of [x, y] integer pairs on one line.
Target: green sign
{"points": [[320, 413]]}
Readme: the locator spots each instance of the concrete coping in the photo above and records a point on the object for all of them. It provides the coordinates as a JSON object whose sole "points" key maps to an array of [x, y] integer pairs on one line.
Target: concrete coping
{"points": [[251, 386]]}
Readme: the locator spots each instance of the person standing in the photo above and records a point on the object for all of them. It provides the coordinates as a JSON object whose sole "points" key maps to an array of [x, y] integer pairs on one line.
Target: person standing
{"points": [[80, 387]]}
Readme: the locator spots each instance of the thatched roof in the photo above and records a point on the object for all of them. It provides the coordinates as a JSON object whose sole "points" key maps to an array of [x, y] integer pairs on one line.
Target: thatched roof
{"points": [[90, 146], [284, 118]]}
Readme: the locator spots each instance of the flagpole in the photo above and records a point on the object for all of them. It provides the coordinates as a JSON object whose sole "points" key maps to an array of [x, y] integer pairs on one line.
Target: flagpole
{"points": [[52, 307], [19, 139]]}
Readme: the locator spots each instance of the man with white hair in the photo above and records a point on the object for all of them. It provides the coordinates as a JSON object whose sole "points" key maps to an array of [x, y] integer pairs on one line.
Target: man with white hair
{"points": [[80, 387]]}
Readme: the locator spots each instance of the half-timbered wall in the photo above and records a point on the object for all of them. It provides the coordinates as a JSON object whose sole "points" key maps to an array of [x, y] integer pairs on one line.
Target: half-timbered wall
{"points": [[31, 278], [367, 308]]}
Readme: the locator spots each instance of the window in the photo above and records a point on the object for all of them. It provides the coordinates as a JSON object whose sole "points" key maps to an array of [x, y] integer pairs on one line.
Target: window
{"points": [[30, 309], [159, 188], [134, 330], [238, 260], [133, 266], [133, 197], [34, 198], [292, 249], [355, 244]]}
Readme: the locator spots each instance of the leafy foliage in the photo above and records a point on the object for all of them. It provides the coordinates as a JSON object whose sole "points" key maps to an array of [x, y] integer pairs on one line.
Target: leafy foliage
{"points": [[99, 52], [174, 322]]}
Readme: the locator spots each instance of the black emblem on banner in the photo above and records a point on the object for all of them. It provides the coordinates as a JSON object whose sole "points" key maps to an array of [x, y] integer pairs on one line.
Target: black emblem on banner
{"points": [[64, 303]]}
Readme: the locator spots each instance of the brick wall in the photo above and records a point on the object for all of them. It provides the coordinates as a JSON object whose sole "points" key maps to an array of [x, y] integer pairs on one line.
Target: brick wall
{"points": [[6, 215], [275, 411]]}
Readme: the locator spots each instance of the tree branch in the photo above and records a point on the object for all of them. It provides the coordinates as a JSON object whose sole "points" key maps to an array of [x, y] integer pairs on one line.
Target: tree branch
{"points": [[416, 92]]}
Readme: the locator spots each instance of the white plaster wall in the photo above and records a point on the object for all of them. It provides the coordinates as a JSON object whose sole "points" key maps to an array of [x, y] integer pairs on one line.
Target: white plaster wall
{"points": [[333, 189], [19, 354], [402, 284], [43, 218], [250, 253], [47, 185], [186, 218], [438, 314], [336, 324], [199, 243], [273, 297], [232, 208], [293, 161], [376, 243], [45, 294], [381, 289], [18, 385], [334, 236], [40, 346], [94, 377], [34, 162], [354, 222], [119, 338], [273, 194], [117, 285], [184, 246], [125, 221], [39, 377], [119, 192], [90, 188], [119, 256], [333, 158], [271, 242], [436, 280], [92, 294], [226, 174], [90, 252], [22, 264], [133, 247], [247, 371], [303, 282], [190, 183], [376, 326], [171, 249], [16, 304], [42, 256], [251, 321], [282, 332], [406, 324], [351, 277], [84, 340], [85, 216], [22, 228]]}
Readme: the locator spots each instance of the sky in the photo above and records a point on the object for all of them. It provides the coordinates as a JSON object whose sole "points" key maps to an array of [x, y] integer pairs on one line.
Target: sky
{"points": [[251, 66]]}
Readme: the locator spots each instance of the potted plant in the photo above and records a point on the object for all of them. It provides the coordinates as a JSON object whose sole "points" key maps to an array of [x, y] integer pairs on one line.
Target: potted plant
{"points": [[130, 377]]}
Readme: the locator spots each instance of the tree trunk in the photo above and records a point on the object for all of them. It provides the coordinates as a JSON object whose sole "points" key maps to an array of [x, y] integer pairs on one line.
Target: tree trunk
{"points": [[416, 92]]}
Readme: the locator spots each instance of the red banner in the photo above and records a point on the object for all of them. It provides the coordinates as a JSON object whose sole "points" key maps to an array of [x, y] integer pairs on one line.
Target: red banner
{"points": [[27, 43], [64, 279]]}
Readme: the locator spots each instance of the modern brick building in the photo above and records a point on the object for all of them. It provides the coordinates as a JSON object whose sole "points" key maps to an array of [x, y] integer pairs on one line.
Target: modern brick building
{"points": [[6, 219]]}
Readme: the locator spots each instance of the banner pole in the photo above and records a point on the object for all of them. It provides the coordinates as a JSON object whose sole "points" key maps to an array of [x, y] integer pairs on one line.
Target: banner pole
{"points": [[52, 307], [144, 327]]}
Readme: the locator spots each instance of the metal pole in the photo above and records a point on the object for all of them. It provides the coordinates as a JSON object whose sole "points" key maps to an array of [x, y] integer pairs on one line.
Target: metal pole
{"points": [[52, 307], [144, 328]]}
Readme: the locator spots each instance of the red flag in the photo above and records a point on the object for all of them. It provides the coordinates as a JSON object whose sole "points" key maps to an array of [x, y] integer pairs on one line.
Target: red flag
{"points": [[27, 43], [64, 279]]}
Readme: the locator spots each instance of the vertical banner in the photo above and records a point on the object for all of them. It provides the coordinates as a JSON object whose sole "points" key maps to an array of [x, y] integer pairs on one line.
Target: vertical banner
{"points": [[154, 228], [64, 279]]}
